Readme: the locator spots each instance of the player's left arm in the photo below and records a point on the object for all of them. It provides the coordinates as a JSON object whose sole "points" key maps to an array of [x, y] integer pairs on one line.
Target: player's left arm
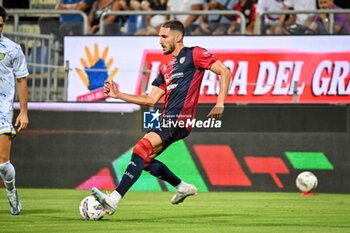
{"points": [[112, 90], [22, 119], [225, 76]]}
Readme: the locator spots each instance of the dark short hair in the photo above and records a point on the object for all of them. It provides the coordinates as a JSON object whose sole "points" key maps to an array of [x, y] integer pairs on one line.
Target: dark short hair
{"points": [[3, 13], [174, 25]]}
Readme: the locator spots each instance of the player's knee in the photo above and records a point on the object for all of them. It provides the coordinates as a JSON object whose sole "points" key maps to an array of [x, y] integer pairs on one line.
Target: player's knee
{"points": [[4, 158], [148, 161], [154, 169], [143, 148]]}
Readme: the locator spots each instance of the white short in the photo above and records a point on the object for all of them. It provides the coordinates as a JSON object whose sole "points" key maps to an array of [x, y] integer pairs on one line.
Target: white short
{"points": [[6, 127]]}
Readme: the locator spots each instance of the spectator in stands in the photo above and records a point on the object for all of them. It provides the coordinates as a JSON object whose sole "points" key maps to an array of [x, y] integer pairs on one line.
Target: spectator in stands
{"points": [[215, 24], [19, 4], [111, 25], [72, 24], [304, 20], [128, 5], [132, 21], [269, 22], [322, 21], [344, 5], [247, 8], [152, 22], [191, 22], [132, 4]]}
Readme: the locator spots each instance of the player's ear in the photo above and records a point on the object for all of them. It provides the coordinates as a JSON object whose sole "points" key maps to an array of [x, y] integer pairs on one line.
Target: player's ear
{"points": [[178, 37]]}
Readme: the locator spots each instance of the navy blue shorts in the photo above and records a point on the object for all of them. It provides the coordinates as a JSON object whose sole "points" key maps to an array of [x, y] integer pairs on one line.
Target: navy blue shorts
{"points": [[170, 135]]}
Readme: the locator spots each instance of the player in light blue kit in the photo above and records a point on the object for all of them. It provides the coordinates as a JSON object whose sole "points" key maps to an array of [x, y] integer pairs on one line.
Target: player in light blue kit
{"points": [[12, 66]]}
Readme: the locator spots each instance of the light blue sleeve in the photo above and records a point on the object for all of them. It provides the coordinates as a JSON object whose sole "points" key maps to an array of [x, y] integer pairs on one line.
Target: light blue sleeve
{"points": [[19, 64]]}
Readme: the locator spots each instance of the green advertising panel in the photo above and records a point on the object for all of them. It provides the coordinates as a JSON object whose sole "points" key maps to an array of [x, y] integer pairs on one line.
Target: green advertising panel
{"points": [[176, 157]]}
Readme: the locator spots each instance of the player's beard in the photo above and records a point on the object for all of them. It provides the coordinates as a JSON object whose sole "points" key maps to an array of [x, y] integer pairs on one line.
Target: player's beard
{"points": [[170, 50]]}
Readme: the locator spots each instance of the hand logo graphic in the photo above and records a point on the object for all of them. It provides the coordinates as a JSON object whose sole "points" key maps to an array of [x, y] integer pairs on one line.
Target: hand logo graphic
{"points": [[97, 69]]}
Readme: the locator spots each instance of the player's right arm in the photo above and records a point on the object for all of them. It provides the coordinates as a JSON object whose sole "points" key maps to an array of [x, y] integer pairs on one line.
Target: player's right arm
{"points": [[112, 90], [22, 119]]}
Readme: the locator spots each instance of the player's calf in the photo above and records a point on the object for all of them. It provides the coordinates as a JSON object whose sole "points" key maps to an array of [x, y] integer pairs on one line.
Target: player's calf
{"points": [[15, 203]]}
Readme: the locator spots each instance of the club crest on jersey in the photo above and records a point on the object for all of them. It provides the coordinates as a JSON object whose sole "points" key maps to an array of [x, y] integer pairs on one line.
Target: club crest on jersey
{"points": [[2, 56], [182, 60]]}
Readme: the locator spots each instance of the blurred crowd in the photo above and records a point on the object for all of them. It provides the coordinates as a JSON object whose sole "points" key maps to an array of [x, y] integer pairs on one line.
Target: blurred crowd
{"points": [[207, 24]]}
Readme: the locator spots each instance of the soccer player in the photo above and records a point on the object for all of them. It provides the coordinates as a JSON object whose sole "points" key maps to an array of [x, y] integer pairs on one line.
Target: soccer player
{"points": [[12, 66], [179, 80]]}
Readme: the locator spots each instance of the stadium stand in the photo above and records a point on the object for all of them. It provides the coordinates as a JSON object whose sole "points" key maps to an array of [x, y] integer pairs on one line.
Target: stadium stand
{"points": [[18, 4], [36, 29], [42, 4]]}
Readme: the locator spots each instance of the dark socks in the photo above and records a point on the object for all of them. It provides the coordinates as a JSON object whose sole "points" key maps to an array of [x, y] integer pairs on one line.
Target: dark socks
{"points": [[131, 175], [161, 171], [134, 170]]}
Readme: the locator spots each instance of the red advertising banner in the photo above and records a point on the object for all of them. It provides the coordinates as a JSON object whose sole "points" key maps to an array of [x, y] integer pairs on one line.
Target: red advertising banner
{"points": [[93, 96], [268, 76]]}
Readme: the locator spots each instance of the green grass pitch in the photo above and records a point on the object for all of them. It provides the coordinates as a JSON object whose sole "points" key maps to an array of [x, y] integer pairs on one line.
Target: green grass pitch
{"points": [[56, 210]]}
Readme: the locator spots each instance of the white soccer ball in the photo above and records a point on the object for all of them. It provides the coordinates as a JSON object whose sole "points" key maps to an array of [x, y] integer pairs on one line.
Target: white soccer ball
{"points": [[306, 181], [91, 209]]}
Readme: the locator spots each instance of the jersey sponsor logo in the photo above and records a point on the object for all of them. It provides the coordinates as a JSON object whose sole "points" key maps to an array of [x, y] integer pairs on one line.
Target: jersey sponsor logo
{"points": [[171, 86], [2, 56], [177, 75]]}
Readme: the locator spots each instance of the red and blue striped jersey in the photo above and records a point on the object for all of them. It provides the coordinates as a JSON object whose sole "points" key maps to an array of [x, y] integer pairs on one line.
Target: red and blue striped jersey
{"points": [[181, 79]]}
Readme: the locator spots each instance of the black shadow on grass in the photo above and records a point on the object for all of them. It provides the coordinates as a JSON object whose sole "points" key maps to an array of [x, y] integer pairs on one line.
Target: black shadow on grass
{"points": [[34, 211], [172, 218]]}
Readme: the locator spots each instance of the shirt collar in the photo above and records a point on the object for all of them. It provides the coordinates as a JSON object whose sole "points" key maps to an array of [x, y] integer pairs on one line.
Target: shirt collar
{"points": [[1, 36]]}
